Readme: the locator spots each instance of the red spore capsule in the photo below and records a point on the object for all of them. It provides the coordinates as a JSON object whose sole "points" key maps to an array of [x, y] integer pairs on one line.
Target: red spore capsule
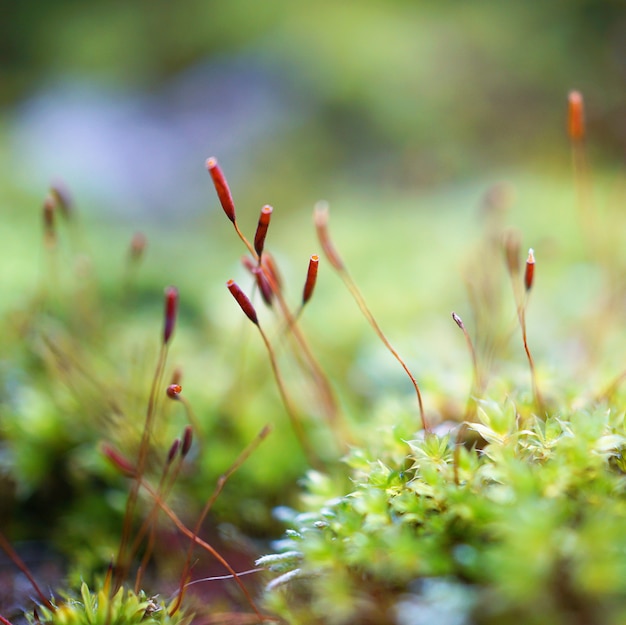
{"points": [[171, 309], [49, 207], [261, 229], [311, 278], [530, 269], [63, 198], [264, 286], [271, 270], [242, 299], [576, 116], [121, 463], [173, 391], [187, 440], [137, 246], [248, 263], [512, 252], [221, 187], [320, 217], [173, 450], [458, 321]]}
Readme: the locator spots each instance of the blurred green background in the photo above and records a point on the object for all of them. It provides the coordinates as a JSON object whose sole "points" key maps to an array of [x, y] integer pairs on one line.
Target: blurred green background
{"points": [[124, 100], [402, 114]]}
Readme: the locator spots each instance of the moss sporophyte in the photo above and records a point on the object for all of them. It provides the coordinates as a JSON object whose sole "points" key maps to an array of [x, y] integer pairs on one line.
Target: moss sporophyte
{"points": [[508, 507], [114, 600]]}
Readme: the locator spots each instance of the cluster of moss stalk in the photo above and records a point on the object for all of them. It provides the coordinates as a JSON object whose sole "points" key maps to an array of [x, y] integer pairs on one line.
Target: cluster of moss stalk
{"points": [[512, 512]]}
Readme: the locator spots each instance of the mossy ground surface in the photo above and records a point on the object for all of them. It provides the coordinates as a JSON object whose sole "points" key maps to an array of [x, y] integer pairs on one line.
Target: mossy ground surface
{"points": [[517, 514]]}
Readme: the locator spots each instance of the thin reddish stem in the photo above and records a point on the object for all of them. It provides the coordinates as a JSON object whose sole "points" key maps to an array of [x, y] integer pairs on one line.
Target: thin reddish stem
{"points": [[320, 218], [273, 278], [123, 559], [19, 563], [326, 394], [202, 543], [169, 474], [292, 413], [221, 482], [528, 283], [250, 312], [477, 386], [521, 302], [576, 131], [531, 363], [321, 222]]}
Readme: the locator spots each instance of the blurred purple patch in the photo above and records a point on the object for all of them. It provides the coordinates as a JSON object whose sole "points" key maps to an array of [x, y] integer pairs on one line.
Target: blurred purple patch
{"points": [[132, 153]]}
